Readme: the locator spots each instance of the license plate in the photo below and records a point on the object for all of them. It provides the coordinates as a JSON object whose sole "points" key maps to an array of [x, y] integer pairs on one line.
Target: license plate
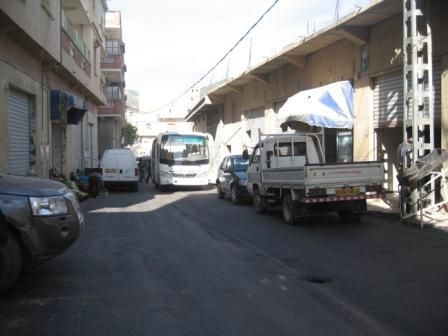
{"points": [[347, 192], [110, 171]]}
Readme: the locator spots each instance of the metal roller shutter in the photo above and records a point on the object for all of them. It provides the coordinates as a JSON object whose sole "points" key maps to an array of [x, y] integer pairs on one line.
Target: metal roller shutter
{"points": [[77, 150], [388, 99], [19, 132], [254, 122]]}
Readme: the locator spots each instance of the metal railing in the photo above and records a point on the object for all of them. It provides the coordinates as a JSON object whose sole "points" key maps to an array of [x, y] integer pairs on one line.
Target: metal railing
{"points": [[75, 36]]}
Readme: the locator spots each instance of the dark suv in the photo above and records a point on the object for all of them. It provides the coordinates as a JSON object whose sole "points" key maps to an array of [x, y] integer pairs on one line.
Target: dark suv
{"points": [[39, 219]]}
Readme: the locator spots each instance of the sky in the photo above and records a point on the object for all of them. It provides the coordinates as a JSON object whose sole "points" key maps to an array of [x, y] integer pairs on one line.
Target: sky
{"points": [[170, 44]]}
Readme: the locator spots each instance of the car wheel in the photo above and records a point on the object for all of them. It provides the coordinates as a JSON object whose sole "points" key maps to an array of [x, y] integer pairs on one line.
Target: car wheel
{"points": [[219, 191], [10, 262], [348, 216], [235, 197], [259, 202], [289, 210]]}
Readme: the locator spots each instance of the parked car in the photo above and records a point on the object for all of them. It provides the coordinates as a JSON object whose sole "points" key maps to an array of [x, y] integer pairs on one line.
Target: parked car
{"points": [[119, 168], [232, 178], [39, 219]]}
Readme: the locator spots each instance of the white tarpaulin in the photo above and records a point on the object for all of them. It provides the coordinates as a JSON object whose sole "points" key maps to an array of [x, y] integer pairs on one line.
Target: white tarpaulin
{"points": [[327, 106]]}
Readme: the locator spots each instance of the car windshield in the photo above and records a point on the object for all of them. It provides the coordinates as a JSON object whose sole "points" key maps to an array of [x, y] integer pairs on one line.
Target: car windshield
{"points": [[240, 164], [183, 149]]}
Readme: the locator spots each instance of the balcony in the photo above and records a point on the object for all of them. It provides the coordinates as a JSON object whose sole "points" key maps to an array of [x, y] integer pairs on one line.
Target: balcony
{"points": [[75, 37], [113, 108], [113, 62]]}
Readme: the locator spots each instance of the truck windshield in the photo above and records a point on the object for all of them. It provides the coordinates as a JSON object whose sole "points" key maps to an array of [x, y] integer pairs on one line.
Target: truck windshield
{"points": [[183, 149]]}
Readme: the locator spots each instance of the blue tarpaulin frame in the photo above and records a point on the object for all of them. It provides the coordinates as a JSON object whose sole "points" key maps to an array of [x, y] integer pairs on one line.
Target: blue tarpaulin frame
{"points": [[61, 102]]}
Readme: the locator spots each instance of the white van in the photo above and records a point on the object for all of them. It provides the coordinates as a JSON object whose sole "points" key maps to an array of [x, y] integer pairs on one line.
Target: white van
{"points": [[120, 168]]}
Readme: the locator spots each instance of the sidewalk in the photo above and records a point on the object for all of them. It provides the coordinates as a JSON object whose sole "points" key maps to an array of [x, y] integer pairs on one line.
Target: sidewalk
{"points": [[389, 206]]}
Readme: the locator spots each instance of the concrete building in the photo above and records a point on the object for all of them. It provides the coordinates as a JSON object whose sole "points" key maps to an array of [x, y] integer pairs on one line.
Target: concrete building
{"points": [[149, 125], [50, 84], [111, 117], [364, 47]]}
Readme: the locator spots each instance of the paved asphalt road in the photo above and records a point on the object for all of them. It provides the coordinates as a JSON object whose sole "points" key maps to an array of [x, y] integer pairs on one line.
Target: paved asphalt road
{"points": [[186, 263]]}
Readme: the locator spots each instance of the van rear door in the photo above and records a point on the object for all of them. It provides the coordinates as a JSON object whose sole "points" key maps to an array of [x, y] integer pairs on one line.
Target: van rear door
{"points": [[109, 163], [128, 170]]}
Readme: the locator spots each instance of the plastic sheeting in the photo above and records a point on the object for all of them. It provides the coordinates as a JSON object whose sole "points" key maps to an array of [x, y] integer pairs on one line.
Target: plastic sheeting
{"points": [[327, 106]]}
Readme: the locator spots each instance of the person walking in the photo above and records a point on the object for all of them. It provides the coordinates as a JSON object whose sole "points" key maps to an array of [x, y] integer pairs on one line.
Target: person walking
{"points": [[148, 170], [141, 169]]}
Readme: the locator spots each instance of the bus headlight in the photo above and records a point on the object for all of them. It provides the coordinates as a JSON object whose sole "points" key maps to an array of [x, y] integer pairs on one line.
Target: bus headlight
{"points": [[202, 175], [165, 174]]}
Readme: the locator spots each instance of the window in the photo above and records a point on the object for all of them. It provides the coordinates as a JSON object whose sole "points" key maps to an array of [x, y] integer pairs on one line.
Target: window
{"points": [[113, 92], [284, 149], [255, 155], [113, 47]]}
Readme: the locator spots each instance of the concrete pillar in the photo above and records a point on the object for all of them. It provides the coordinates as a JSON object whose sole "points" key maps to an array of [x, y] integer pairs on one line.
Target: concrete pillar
{"points": [[269, 118], [363, 144]]}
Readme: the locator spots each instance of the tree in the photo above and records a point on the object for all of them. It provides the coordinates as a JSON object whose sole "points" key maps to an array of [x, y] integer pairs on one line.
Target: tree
{"points": [[129, 134]]}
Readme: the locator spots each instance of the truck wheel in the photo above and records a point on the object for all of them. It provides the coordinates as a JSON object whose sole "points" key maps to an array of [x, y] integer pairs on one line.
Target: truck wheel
{"points": [[219, 191], [259, 202], [348, 216], [235, 197], [10, 262], [289, 210]]}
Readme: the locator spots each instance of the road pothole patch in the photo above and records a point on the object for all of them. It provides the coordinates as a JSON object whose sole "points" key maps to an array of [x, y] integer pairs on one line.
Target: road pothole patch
{"points": [[320, 280]]}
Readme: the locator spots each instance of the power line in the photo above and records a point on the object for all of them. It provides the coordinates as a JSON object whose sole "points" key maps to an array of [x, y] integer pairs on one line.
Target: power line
{"points": [[220, 60]]}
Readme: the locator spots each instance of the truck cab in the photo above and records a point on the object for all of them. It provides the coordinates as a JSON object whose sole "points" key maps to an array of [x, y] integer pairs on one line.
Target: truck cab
{"points": [[281, 153]]}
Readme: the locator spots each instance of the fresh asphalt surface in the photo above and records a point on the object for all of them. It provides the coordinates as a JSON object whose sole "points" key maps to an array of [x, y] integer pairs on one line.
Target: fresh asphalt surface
{"points": [[186, 263]]}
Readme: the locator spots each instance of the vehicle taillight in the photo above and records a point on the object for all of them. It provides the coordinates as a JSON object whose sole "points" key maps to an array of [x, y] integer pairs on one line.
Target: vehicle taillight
{"points": [[136, 171]]}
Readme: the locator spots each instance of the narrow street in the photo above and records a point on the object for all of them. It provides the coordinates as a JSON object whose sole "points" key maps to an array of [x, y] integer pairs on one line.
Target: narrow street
{"points": [[186, 263]]}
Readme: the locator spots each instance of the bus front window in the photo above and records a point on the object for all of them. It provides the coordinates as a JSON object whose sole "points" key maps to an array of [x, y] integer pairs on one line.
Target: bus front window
{"points": [[184, 149]]}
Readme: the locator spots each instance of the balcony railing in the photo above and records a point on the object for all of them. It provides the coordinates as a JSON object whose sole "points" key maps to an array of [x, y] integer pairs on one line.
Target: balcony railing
{"points": [[76, 38], [113, 107], [113, 62]]}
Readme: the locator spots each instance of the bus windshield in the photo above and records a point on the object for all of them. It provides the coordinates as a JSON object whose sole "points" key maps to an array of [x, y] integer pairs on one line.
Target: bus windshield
{"points": [[183, 149]]}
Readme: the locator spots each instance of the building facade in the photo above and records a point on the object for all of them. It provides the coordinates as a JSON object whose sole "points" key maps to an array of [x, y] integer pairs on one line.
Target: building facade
{"points": [[111, 117], [364, 48], [50, 84]]}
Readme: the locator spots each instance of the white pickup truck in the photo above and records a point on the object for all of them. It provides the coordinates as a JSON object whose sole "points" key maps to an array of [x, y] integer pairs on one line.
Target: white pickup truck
{"points": [[290, 170]]}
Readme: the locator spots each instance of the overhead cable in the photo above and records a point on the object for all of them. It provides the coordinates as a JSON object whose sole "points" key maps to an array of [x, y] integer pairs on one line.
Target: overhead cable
{"points": [[217, 63]]}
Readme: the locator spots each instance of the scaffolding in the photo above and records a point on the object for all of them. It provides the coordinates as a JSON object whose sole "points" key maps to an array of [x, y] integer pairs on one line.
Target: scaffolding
{"points": [[418, 198]]}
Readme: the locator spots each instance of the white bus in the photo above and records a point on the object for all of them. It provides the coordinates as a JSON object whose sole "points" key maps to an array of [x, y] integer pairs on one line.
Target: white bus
{"points": [[180, 159]]}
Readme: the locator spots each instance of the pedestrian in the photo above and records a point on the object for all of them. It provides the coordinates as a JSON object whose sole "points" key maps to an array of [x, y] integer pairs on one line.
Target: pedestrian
{"points": [[95, 184], [148, 168], [245, 153], [404, 152], [141, 169]]}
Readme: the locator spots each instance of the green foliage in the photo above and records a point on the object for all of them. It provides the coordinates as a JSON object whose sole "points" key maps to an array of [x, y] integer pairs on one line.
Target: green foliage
{"points": [[129, 133]]}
